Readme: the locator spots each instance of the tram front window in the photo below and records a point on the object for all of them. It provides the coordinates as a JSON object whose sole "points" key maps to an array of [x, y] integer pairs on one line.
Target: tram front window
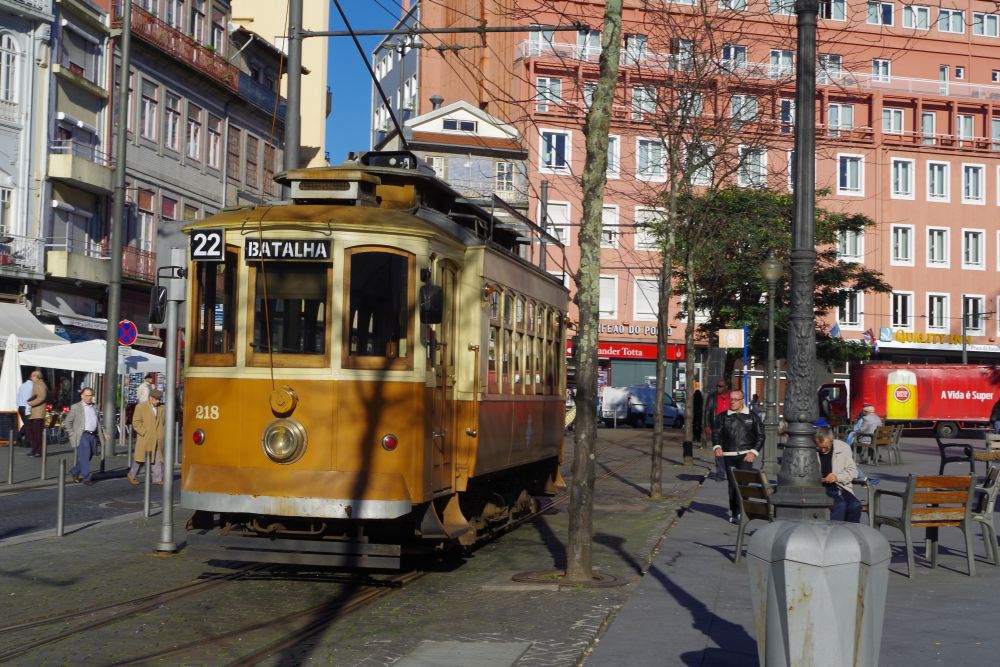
{"points": [[378, 323], [290, 308]]}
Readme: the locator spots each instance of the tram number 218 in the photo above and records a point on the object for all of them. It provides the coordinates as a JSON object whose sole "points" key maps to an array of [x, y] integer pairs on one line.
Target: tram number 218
{"points": [[206, 412]]}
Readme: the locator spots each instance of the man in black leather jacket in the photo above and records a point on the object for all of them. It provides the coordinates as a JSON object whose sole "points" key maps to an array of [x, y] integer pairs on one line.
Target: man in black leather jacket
{"points": [[737, 439]]}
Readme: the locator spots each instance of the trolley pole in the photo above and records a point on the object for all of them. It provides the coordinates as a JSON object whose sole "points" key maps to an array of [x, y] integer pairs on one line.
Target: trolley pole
{"points": [[176, 288]]}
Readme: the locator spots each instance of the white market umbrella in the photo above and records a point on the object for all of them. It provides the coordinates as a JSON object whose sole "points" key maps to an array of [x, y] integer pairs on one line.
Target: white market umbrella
{"points": [[88, 357], [10, 376]]}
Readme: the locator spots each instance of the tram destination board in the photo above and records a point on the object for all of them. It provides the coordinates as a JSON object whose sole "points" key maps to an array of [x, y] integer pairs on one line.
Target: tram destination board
{"points": [[287, 249]]}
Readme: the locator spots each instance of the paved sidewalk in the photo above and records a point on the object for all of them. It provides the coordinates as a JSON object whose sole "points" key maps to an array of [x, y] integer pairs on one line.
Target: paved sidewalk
{"points": [[693, 607]]}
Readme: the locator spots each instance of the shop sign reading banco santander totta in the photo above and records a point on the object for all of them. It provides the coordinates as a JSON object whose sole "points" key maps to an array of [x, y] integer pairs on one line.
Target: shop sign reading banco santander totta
{"points": [[643, 351]]}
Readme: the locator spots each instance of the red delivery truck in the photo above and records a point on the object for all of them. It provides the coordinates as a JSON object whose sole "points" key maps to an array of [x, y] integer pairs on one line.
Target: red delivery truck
{"points": [[942, 397]]}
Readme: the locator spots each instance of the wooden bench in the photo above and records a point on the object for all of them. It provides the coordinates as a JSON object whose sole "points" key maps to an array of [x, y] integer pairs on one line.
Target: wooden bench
{"points": [[754, 493], [930, 502]]}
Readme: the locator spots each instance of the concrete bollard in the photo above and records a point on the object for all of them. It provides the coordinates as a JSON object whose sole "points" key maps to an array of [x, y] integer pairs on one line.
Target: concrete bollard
{"points": [[45, 447], [61, 499], [146, 466], [10, 459]]}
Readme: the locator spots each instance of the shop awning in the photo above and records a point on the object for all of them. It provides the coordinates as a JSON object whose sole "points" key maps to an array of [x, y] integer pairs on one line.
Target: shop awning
{"points": [[31, 334]]}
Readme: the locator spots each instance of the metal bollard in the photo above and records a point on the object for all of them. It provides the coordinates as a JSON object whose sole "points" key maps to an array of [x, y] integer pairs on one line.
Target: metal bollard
{"points": [[10, 459], [131, 439], [177, 447], [45, 445], [147, 465], [61, 499]]}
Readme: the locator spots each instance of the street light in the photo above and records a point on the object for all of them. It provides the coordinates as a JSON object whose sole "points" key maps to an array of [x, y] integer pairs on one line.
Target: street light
{"points": [[771, 270]]}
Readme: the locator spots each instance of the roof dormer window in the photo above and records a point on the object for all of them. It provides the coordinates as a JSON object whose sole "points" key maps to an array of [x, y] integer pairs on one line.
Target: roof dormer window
{"points": [[455, 125]]}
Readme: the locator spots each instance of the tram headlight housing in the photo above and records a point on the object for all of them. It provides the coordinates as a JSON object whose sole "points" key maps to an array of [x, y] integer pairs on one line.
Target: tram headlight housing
{"points": [[284, 440]]}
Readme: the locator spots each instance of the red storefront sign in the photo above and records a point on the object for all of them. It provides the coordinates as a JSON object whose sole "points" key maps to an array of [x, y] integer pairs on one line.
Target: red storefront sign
{"points": [[609, 350]]}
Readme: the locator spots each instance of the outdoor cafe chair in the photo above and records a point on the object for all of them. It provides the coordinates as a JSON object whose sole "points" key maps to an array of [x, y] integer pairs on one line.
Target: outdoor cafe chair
{"points": [[754, 494], [983, 513]]}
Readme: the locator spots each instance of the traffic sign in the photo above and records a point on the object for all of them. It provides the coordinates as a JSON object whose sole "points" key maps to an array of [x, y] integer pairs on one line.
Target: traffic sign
{"points": [[127, 332]]}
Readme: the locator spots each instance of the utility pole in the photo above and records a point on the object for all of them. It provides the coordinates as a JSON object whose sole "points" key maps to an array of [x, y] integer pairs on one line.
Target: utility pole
{"points": [[176, 293], [293, 115], [117, 227]]}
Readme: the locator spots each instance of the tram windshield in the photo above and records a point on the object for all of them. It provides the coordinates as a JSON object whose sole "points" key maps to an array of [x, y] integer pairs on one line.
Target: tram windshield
{"points": [[293, 298], [215, 313]]}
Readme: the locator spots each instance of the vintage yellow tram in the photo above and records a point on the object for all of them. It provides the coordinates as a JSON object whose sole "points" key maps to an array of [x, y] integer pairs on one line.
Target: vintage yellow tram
{"points": [[370, 365]]}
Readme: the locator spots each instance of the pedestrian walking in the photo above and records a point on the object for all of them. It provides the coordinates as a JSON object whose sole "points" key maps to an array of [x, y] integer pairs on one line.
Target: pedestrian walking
{"points": [[36, 418], [838, 470], [85, 432], [756, 406], [737, 440], [23, 409], [148, 422]]}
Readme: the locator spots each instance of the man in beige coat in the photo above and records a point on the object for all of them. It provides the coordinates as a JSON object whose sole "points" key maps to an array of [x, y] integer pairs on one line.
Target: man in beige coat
{"points": [[147, 422], [36, 420]]}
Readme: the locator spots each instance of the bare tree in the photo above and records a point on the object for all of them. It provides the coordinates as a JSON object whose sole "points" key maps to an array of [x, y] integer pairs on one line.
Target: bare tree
{"points": [[578, 557]]}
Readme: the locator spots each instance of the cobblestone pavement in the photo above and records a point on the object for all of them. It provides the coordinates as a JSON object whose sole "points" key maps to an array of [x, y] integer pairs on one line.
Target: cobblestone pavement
{"points": [[468, 600]]}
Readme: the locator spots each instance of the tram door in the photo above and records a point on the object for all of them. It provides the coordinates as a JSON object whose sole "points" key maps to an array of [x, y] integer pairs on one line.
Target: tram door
{"points": [[444, 391]]}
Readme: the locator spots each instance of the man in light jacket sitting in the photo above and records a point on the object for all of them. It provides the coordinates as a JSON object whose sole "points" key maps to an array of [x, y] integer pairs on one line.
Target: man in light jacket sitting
{"points": [[838, 471]]}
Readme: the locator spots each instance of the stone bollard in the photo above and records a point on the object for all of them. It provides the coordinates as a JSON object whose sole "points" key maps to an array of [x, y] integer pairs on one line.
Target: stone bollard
{"points": [[818, 590]]}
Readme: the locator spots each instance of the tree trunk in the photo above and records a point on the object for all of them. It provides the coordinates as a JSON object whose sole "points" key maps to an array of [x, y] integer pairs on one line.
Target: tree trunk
{"points": [[662, 336], [689, 331], [578, 554]]}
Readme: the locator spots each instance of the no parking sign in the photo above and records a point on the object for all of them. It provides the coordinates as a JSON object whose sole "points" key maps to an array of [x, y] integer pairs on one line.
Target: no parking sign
{"points": [[127, 332]]}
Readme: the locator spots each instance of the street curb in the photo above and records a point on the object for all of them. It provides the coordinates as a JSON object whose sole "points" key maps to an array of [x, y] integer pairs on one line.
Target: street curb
{"points": [[69, 530]]}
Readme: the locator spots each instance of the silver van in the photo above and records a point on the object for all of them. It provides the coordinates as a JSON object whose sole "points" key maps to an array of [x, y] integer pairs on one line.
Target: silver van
{"points": [[634, 406]]}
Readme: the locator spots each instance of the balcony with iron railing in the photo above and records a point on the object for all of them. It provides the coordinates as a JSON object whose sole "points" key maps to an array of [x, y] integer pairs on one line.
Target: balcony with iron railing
{"points": [[486, 188], [138, 264], [20, 255], [184, 48], [846, 80], [261, 96], [81, 164]]}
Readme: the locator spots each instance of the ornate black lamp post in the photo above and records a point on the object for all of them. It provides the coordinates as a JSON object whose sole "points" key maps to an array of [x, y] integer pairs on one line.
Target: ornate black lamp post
{"points": [[771, 270]]}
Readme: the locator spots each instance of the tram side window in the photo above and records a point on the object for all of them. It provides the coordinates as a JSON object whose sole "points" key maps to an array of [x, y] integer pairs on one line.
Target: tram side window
{"points": [[292, 297], [379, 308], [492, 386], [215, 311]]}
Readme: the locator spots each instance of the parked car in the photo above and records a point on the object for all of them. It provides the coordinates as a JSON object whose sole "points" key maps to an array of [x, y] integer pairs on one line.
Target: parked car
{"points": [[634, 406]]}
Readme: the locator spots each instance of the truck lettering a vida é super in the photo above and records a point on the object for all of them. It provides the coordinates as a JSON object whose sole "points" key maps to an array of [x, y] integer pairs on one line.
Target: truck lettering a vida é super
{"points": [[942, 397]]}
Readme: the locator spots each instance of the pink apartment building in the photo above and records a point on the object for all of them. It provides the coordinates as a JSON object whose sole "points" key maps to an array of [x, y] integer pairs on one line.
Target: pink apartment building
{"points": [[908, 128]]}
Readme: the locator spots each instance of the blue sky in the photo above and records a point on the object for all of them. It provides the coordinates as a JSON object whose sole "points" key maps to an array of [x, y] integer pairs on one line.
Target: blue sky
{"points": [[348, 126]]}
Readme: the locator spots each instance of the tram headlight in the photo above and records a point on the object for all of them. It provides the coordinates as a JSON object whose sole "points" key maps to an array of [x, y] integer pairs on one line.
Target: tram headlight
{"points": [[284, 440]]}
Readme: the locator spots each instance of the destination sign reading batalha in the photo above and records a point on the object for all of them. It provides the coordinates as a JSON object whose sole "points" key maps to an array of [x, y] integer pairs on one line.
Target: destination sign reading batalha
{"points": [[302, 249]]}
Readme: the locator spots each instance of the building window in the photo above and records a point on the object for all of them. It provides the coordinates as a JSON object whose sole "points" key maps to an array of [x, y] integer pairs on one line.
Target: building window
{"points": [[436, 162], [830, 68], [8, 68], [840, 117], [647, 299], [79, 52], [902, 310], [609, 227], [649, 160], [928, 122], [880, 13], [850, 175], [985, 24], [635, 49], [966, 127], [454, 125], [233, 146], [937, 312], [589, 44], [781, 7], [972, 249], [588, 94], [752, 170], [786, 115], [548, 91], [850, 246], [643, 101], [917, 17], [892, 121], [5, 194], [608, 305], [973, 310], [781, 64], [196, 26], [995, 133], [218, 34], [193, 136], [743, 108], [734, 5], [614, 156], [540, 41], [951, 20], [214, 142], [555, 148], [147, 111], [791, 171], [937, 181], [973, 184], [902, 178], [689, 105], [698, 162], [849, 315], [172, 122], [253, 171], [168, 209], [937, 247], [557, 223], [504, 181], [902, 245], [833, 10], [270, 156], [881, 70], [646, 222], [734, 58]]}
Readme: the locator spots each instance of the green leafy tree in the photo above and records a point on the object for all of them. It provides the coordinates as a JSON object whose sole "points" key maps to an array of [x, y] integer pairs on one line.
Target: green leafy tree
{"points": [[743, 225]]}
